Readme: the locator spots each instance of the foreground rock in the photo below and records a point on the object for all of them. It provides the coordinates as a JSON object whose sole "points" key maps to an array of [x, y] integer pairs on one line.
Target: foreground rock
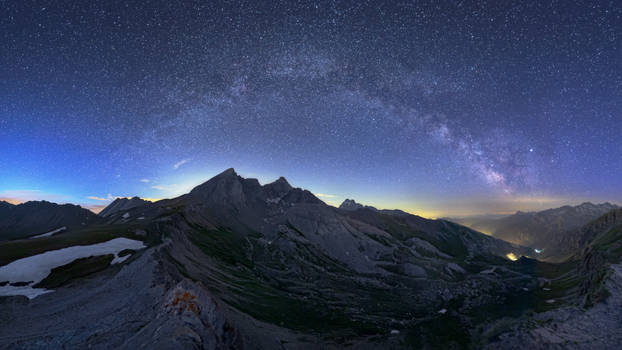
{"points": [[145, 304]]}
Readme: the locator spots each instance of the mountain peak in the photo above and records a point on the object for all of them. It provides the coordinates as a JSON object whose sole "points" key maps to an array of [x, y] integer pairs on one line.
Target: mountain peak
{"points": [[6, 204], [226, 187], [280, 186], [229, 173], [587, 204], [350, 204], [122, 204]]}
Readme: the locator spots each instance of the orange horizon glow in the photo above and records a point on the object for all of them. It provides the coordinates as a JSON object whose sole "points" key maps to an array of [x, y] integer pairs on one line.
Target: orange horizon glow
{"points": [[95, 208]]}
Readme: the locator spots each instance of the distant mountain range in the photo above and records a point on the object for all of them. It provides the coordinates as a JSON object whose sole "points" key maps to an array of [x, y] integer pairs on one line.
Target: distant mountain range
{"points": [[352, 205], [543, 230], [120, 204], [236, 264], [38, 217], [591, 276]]}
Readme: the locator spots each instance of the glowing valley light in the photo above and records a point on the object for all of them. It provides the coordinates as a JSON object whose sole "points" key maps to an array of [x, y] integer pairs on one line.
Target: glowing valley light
{"points": [[538, 251], [511, 256]]}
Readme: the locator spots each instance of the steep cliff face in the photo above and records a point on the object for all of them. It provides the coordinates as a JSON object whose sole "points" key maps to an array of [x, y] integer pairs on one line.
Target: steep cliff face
{"points": [[602, 242]]}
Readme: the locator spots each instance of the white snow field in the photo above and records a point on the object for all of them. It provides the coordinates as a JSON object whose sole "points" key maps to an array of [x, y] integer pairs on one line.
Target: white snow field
{"points": [[35, 268], [25, 291]]}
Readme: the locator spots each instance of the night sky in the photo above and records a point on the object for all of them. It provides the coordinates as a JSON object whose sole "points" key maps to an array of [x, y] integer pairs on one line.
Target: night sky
{"points": [[463, 108]]}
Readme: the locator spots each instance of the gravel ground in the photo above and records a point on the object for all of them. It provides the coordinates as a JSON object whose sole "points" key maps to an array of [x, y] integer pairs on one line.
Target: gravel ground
{"points": [[599, 327]]}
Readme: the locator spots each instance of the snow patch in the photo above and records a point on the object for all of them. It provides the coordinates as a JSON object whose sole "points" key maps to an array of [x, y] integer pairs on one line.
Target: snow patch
{"points": [[26, 291], [489, 271], [119, 259], [47, 234], [37, 267]]}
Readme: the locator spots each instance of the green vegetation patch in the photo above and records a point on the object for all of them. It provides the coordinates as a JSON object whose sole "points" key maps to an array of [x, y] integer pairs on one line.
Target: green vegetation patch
{"points": [[224, 245], [13, 250], [78, 268], [543, 269], [125, 252], [609, 245], [268, 294], [596, 290]]}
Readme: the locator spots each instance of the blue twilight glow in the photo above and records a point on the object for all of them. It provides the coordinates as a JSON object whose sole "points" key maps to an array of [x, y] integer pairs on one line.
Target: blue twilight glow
{"points": [[437, 109]]}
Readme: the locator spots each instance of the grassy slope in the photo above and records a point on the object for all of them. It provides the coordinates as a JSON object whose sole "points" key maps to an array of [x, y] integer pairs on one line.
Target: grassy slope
{"points": [[251, 291], [78, 268], [13, 250]]}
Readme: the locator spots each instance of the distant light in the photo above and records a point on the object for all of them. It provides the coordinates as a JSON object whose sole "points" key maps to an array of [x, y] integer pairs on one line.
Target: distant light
{"points": [[511, 256], [538, 250], [531, 150]]}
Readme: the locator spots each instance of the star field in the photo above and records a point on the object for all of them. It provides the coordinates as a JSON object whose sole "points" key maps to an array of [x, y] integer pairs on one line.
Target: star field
{"points": [[439, 109]]}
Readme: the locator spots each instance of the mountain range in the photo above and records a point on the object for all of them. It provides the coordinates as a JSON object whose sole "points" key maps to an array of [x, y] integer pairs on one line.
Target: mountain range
{"points": [[237, 264], [39, 217], [547, 231], [122, 204]]}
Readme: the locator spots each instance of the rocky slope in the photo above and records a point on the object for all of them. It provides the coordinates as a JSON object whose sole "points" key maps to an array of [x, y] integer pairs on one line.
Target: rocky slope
{"points": [[593, 317], [146, 304]]}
